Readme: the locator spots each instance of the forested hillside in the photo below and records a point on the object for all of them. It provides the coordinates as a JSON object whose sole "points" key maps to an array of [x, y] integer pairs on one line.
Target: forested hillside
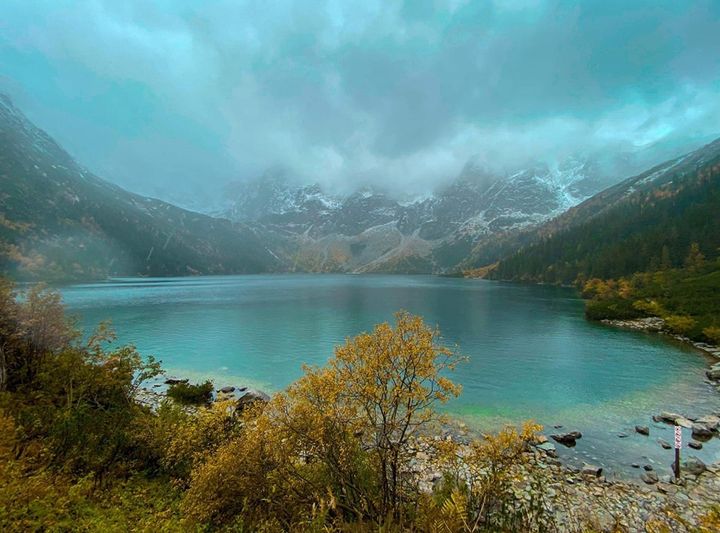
{"points": [[59, 221], [645, 223]]}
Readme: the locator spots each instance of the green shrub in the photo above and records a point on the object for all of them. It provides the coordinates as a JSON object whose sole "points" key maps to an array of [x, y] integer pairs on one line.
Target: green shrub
{"points": [[191, 394]]}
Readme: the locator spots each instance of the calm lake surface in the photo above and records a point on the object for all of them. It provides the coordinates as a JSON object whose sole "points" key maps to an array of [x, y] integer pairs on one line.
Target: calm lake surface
{"points": [[531, 352]]}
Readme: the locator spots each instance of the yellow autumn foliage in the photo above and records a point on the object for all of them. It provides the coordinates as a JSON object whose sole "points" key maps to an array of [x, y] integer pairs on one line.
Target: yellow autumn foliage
{"points": [[336, 445]]}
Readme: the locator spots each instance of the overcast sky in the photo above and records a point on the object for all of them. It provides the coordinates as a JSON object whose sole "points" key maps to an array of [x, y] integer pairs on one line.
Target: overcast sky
{"points": [[187, 95]]}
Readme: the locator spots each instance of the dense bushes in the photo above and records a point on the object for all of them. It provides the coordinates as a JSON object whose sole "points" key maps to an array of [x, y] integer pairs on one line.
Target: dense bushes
{"points": [[77, 398], [688, 299], [191, 394]]}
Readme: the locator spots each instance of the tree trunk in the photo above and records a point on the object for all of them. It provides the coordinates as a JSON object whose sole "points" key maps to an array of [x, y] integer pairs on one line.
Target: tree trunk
{"points": [[3, 369]]}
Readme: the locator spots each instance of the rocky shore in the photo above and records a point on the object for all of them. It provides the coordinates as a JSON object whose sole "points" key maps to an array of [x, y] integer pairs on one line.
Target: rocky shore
{"points": [[657, 325], [578, 498], [573, 498]]}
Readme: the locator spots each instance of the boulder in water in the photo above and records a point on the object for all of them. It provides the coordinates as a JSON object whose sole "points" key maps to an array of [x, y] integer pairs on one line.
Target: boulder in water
{"points": [[701, 432], [567, 439]]}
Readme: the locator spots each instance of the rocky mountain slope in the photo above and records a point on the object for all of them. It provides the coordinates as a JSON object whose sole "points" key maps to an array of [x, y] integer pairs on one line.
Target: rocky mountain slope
{"points": [[368, 231], [644, 223], [59, 221]]}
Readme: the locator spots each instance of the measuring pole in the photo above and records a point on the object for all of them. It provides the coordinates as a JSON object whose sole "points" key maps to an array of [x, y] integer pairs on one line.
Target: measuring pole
{"points": [[678, 445]]}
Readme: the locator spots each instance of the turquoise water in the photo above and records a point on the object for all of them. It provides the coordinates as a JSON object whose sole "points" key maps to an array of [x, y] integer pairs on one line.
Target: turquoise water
{"points": [[531, 352]]}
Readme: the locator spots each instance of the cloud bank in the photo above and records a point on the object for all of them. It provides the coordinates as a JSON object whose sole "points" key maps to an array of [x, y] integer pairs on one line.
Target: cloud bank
{"points": [[178, 96]]}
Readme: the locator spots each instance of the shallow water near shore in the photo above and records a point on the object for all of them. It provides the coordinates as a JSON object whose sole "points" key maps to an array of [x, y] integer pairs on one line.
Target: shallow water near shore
{"points": [[531, 353]]}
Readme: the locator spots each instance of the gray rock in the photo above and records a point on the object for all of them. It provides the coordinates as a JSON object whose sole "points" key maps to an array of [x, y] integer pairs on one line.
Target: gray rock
{"points": [[667, 417], [548, 448], [251, 396], [227, 390], [175, 381], [695, 445], [567, 439], [591, 470], [623, 435], [648, 468], [693, 466], [649, 477], [635, 465], [683, 422], [665, 444], [643, 430], [713, 373], [701, 432], [673, 419], [712, 422]]}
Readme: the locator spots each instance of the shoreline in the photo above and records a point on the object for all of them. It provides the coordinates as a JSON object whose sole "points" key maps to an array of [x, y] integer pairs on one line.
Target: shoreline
{"points": [[574, 495], [656, 325]]}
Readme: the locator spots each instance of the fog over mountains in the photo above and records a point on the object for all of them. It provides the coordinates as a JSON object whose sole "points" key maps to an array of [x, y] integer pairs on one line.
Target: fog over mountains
{"points": [[176, 99]]}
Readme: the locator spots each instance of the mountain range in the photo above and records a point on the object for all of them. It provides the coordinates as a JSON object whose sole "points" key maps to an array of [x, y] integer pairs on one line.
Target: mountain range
{"points": [[60, 221], [370, 231]]}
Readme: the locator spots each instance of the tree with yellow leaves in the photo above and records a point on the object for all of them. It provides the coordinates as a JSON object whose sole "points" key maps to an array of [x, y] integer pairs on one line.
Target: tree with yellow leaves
{"points": [[340, 435]]}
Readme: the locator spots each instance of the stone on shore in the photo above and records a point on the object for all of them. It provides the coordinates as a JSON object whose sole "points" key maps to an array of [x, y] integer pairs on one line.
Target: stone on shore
{"points": [[227, 390], [693, 466], [649, 477], [548, 448], [175, 381], [713, 373], [591, 470], [251, 396]]}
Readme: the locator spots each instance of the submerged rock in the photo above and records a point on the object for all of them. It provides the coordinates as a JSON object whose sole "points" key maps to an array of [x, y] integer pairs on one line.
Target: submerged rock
{"points": [[695, 445], [665, 444], [643, 430]]}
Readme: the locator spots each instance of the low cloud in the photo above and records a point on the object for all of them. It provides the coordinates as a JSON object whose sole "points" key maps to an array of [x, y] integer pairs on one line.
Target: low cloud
{"points": [[176, 96]]}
